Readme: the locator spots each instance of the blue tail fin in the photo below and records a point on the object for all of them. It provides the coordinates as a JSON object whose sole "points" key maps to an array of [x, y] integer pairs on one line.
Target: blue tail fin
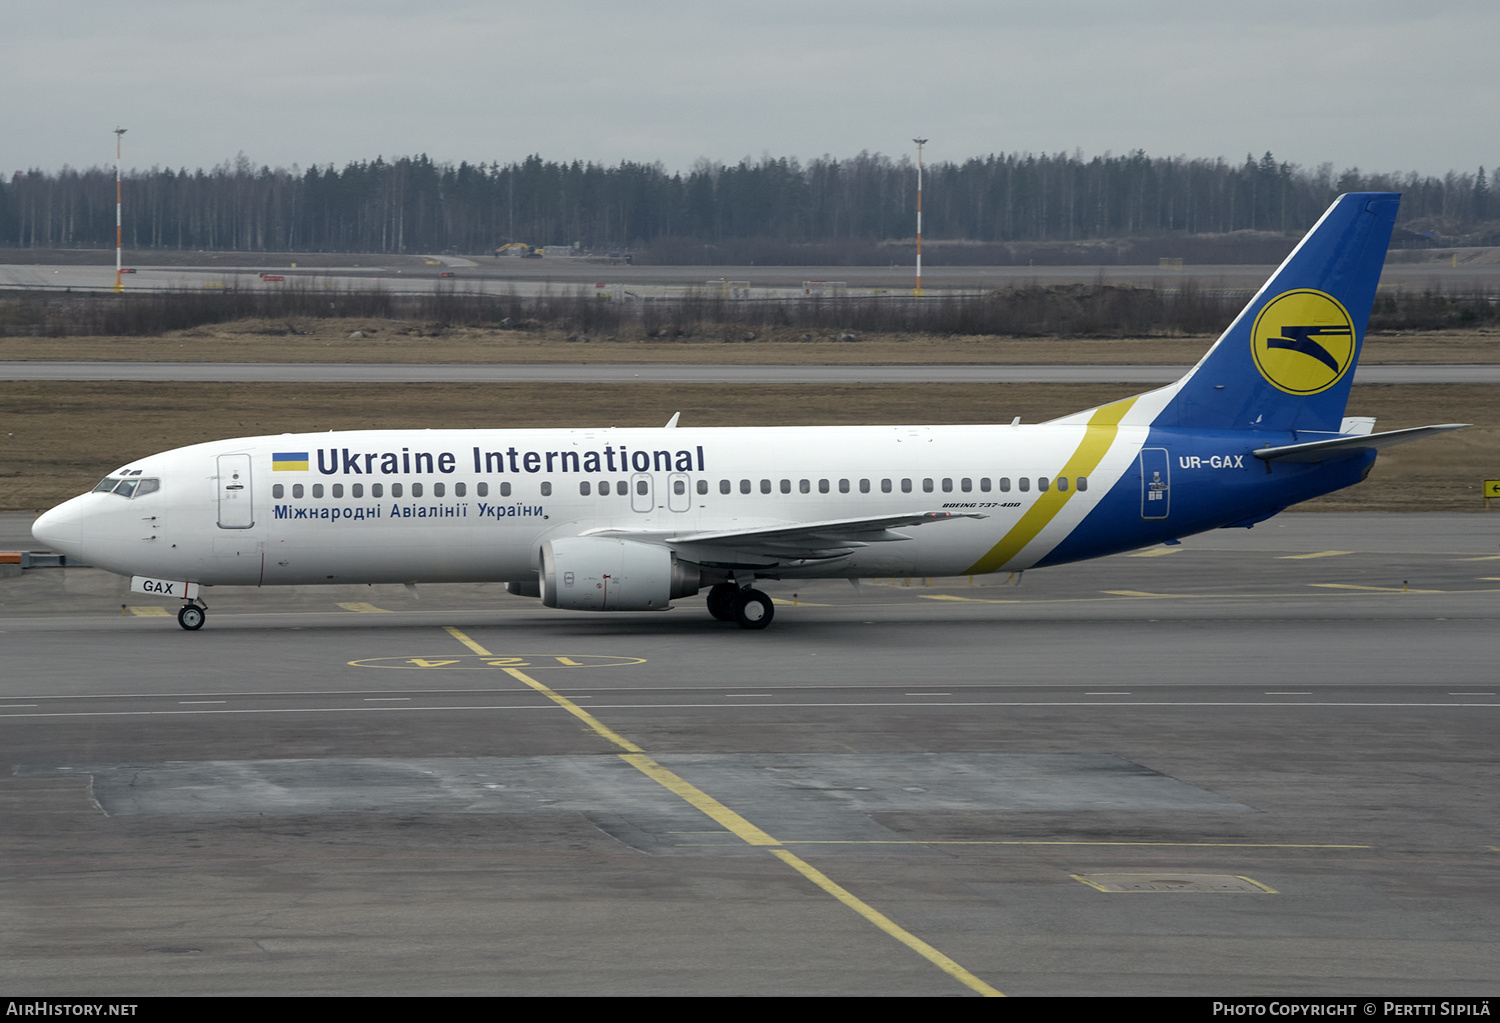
{"points": [[1287, 361]]}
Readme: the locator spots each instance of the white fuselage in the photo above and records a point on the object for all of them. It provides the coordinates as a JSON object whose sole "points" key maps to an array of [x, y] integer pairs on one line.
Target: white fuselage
{"points": [[452, 505]]}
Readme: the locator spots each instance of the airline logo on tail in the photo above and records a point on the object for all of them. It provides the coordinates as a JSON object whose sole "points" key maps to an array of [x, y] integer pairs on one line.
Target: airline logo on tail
{"points": [[1303, 341]]}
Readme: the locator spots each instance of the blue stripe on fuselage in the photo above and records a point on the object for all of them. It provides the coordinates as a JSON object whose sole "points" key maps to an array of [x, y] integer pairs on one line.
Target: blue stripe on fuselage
{"points": [[1202, 496]]}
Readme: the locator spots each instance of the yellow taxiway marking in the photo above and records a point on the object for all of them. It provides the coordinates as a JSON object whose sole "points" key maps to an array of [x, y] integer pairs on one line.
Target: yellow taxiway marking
{"points": [[738, 825], [1154, 552], [1487, 557], [363, 607], [150, 612], [1373, 589], [1140, 593], [971, 600], [885, 923], [1315, 554], [797, 603]]}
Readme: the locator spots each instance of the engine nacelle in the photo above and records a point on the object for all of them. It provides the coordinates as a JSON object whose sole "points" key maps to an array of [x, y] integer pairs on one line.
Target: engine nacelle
{"points": [[602, 573]]}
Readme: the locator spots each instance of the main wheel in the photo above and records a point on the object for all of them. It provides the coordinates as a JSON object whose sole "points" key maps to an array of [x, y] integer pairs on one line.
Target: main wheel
{"points": [[191, 617], [721, 601], [753, 609]]}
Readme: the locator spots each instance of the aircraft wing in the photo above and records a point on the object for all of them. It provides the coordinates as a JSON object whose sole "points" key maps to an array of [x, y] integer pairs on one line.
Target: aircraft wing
{"points": [[787, 544], [1342, 447]]}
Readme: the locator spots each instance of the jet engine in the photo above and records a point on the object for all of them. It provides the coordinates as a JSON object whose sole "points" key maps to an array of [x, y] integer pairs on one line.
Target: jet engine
{"points": [[602, 573]]}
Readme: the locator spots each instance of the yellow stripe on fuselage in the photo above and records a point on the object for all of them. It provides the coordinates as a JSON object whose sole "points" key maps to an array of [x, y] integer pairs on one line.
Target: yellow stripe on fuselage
{"points": [[1098, 437]]}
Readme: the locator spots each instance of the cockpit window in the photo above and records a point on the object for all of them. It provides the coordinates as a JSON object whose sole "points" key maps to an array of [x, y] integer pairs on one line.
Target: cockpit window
{"points": [[127, 487]]}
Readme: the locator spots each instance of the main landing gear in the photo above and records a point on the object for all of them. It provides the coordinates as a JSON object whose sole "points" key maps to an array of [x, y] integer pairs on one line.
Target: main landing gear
{"points": [[750, 609], [192, 616]]}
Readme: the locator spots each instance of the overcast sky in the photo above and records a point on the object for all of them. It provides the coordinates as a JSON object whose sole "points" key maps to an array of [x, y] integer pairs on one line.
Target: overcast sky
{"points": [[1378, 84]]}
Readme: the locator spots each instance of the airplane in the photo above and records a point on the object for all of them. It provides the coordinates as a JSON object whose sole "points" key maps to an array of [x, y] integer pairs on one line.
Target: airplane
{"points": [[632, 519]]}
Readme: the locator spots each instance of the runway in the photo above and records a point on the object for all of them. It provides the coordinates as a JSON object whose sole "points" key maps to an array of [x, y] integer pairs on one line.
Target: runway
{"points": [[1261, 762], [580, 373], [405, 274]]}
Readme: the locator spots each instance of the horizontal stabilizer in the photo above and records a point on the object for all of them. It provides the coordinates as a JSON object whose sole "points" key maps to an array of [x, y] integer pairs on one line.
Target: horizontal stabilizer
{"points": [[1343, 447]]}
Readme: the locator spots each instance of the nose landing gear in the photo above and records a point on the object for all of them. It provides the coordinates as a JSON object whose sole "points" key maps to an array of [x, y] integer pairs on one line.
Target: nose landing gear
{"points": [[192, 616]]}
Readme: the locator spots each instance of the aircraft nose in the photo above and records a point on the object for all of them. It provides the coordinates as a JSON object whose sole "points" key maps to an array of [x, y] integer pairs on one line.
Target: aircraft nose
{"points": [[61, 529]]}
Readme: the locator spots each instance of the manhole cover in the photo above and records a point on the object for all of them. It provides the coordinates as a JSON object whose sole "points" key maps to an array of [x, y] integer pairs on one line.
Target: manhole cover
{"points": [[1162, 881]]}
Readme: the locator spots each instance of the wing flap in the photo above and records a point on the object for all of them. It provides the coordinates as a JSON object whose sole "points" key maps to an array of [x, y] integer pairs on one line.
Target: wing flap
{"points": [[804, 541]]}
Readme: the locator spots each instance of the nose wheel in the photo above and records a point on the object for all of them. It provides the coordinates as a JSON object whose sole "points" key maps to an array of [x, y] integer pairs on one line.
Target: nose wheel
{"points": [[192, 617]]}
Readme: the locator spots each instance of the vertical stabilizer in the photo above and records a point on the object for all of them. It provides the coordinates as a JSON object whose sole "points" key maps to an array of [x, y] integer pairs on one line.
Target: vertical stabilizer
{"points": [[1287, 361]]}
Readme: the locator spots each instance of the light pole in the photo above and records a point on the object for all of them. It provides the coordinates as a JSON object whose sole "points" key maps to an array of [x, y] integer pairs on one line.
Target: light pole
{"points": [[920, 143], [117, 233]]}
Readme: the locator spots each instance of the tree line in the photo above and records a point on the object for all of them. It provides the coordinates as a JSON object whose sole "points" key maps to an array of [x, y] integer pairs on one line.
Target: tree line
{"points": [[834, 210]]}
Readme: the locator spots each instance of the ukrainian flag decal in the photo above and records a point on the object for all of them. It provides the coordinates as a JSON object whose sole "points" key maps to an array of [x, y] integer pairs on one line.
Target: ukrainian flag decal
{"points": [[289, 461]]}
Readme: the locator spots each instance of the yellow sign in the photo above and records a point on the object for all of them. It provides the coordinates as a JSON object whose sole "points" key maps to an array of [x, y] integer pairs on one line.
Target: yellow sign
{"points": [[1303, 341], [1491, 488]]}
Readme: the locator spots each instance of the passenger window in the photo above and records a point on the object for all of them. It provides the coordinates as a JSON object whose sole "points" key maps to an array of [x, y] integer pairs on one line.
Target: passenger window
{"points": [[459, 489], [338, 490], [318, 491], [906, 486], [984, 484], [844, 486], [822, 486], [640, 487], [679, 487], [1004, 484], [278, 491], [765, 486], [885, 486], [744, 486], [1023, 484], [947, 486], [482, 490], [966, 484], [1041, 484], [1062, 483], [357, 490], [583, 488], [604, 488], [1083, 483], [927, 486], [505, 490], [621, 488], [786, 486], [396, 490], [725, 486], [437, 490], [547, 489], [803, 487], [297, 490], [703, 486]]}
